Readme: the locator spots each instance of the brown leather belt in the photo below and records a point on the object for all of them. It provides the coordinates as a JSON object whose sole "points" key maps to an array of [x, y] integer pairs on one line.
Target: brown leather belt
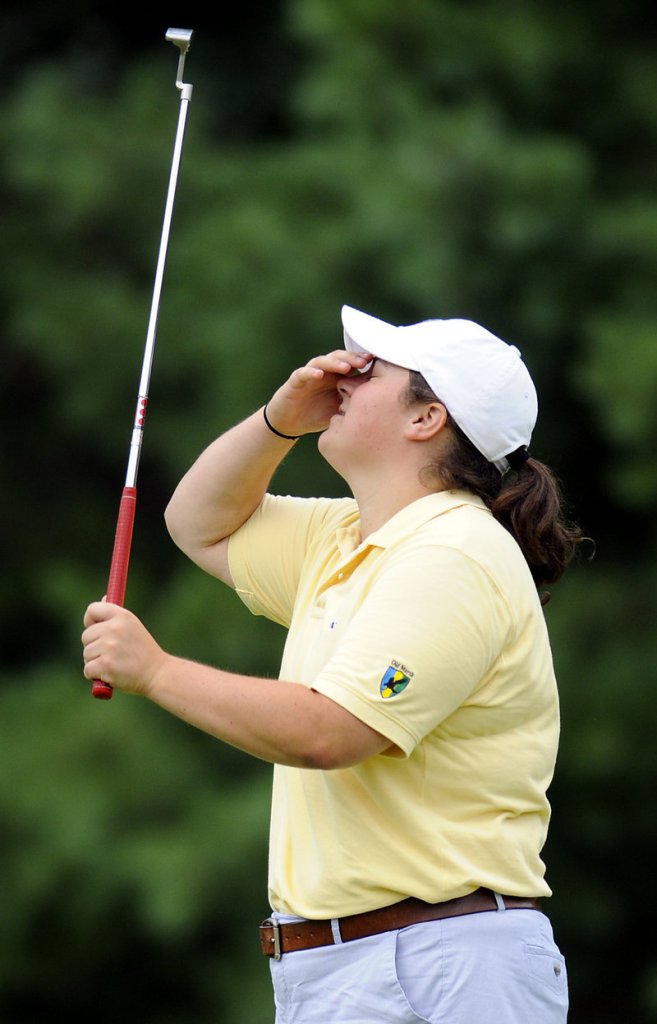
{"points": [[276, 939]]}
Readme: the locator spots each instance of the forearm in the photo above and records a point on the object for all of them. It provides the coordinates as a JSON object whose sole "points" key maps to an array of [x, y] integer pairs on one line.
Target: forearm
{"points": [[283, 722], [225, 485], [259, 716], [228, 481], [276, 721]]}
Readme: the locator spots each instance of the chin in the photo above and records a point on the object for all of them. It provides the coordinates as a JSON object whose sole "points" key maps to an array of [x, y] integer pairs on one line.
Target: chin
{"points": [[327, 449], [322, 441]]}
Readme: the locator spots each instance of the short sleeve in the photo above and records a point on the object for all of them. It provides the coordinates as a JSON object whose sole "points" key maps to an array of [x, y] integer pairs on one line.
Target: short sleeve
{"points": [[430, 629], [267, 554]]}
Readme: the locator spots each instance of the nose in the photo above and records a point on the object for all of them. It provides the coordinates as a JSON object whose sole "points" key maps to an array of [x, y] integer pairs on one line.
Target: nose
{"points": [[346, 385]]}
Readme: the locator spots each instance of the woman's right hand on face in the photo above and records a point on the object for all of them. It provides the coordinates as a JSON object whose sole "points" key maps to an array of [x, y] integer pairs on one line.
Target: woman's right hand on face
{"points": [[309, 397]]}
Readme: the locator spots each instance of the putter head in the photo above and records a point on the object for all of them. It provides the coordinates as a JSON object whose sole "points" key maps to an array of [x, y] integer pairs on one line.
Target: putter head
{"points": [[180, 37]]}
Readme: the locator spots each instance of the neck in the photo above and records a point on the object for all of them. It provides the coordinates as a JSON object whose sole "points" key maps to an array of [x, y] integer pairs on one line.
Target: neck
{"points": [[377, 505]]}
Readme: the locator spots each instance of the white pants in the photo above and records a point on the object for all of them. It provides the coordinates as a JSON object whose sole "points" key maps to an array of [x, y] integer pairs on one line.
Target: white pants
{"points": [[497, 967]]}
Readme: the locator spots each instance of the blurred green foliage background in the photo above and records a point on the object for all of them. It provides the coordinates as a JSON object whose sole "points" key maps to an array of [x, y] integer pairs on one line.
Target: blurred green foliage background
{"points": [[494, 159]]}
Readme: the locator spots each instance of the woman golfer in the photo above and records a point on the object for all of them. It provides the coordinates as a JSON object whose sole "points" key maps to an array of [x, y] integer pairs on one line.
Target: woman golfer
{"points": [[414, 727]]}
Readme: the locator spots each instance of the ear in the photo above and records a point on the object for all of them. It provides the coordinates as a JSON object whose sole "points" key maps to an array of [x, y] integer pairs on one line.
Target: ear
{"points": [[426, 422]]}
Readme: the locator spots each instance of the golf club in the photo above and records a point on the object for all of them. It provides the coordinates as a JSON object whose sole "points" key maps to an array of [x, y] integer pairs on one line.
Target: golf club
{"points": [[118, 574]]}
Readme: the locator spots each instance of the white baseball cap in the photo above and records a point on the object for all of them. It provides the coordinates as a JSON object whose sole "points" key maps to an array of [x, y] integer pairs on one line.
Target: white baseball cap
{"points": [[482, 380]]}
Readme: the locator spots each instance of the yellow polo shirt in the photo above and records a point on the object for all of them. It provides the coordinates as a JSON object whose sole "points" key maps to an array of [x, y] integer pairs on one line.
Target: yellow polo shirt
{"points": [[431, 632]]}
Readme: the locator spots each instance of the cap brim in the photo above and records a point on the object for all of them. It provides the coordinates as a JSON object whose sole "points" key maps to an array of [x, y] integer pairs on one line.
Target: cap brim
{"points": [[365, 333]]}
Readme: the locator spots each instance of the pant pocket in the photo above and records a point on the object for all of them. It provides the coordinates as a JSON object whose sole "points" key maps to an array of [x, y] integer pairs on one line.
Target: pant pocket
{"points": [[547, 966]]}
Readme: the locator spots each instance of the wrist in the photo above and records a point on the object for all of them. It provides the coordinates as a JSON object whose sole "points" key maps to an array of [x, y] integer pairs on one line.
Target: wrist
{"points": [[154, 683], [274, 430]]}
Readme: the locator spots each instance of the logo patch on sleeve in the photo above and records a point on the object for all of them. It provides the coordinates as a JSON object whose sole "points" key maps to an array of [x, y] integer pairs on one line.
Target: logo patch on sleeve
{"points": [[395, 679]]}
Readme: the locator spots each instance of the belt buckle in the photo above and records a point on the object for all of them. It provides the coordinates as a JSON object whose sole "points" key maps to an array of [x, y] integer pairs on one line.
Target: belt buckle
{"points": [[276, 934]]}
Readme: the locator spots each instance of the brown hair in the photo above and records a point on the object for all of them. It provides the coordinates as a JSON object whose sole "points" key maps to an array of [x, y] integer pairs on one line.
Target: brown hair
{"points": [[526, 500]]}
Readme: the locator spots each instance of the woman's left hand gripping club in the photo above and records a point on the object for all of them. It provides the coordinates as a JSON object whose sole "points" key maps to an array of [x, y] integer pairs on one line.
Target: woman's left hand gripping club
{"points": [[119, 650]]}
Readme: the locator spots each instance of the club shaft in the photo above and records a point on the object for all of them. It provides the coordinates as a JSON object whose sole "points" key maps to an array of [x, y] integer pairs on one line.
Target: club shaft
{"points": [[118, 573], [147, 364]]}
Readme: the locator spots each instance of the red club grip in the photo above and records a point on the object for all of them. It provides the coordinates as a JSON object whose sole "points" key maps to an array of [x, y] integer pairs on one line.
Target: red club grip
{"points": [[118, 573]]}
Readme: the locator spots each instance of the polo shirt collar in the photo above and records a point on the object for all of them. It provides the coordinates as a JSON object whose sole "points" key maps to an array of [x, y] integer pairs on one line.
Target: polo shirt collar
{"points": [[407, 520]]}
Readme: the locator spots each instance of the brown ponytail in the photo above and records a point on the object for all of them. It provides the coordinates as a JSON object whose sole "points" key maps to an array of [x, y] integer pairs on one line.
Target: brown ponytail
{"points": [[526, 501]]}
